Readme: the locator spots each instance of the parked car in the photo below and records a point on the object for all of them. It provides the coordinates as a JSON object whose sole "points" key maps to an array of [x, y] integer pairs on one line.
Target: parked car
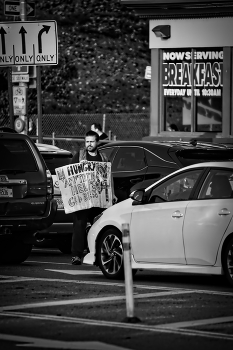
{"points": [[59, 234], [181, 223], [137, 164], [26, 196]]}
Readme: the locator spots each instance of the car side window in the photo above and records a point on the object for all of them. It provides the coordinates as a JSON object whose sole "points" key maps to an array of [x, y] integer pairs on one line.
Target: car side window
{"points": [[129, 159], [108, 151], [156, 160], [178, 188], [218, 184]]}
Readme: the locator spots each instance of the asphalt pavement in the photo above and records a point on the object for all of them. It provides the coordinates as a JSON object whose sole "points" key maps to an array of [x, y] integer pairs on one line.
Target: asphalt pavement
{"points": [[47, 303]]}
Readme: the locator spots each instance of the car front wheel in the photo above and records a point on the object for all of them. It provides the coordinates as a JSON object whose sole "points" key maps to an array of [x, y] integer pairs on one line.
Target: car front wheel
{"points": [[110, 254], [228, 261]]}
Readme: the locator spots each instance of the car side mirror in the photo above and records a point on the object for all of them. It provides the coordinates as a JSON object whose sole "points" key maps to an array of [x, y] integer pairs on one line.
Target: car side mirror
{"points": [[137, 197]]}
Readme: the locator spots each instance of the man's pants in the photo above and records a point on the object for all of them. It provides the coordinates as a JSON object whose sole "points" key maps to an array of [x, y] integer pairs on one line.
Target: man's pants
{"points": [[79, 237]]}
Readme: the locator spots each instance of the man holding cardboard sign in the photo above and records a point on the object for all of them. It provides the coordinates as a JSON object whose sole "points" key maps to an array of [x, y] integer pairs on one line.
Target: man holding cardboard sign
{"points": [[87, 189]]}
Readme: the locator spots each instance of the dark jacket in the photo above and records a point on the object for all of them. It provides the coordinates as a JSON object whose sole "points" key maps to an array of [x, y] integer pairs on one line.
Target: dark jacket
{"points": [[82, 155]]}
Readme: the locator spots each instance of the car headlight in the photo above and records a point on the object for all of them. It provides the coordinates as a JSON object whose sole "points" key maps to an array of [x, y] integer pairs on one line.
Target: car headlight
{"points": [[97, 217]]}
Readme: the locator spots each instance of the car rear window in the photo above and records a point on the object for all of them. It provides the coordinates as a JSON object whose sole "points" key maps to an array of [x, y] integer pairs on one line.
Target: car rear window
{"points": [[188, 157], [54, 161], [16, 155]]}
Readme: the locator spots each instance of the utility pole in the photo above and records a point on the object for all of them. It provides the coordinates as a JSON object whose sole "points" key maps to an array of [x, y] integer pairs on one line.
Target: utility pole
{"points": [[23, 17]]}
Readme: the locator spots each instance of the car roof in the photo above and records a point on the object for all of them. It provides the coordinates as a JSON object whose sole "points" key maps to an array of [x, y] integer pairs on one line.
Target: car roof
{"points": [[50, 149], [193, 166], [218, 164], [12, 134], [193, 144], [45, 148]]}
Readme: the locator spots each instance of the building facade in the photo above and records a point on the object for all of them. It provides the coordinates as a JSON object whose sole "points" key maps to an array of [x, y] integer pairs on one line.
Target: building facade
{"points": [[191, 45]]}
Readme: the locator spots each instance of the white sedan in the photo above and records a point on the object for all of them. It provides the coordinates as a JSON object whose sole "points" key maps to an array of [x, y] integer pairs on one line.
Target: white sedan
{"points": [[181, 223]]}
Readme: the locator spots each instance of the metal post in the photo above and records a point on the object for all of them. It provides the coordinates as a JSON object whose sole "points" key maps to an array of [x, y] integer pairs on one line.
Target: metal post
{"points": [[128, 276], [104, 122], [23, 17], [39, 104], [10, 94]]}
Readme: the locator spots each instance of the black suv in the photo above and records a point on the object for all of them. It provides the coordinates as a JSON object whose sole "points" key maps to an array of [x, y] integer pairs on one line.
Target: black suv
{"points": [[138, 164], [60, 233], [26, 196]]}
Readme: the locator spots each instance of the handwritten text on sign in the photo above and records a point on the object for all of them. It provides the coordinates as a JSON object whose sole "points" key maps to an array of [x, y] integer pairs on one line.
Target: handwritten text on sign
{"points": [[85, 185]]}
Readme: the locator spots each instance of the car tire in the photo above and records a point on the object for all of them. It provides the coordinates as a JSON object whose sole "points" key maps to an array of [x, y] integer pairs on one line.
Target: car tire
{"points": [[14, 252], [110, 254], [113, 236], [64, 246], [228, 261]]}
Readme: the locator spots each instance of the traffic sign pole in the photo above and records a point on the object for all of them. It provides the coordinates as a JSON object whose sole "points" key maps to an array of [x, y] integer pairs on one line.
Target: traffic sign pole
{"points": [[23, 17], [10, 94], [39, 104]]}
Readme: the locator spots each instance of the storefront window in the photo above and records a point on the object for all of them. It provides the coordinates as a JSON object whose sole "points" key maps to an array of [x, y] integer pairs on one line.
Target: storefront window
{"points": [[192, 89]]}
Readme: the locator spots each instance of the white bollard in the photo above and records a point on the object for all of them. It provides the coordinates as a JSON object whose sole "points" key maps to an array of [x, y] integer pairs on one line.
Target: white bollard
{"points": [[128, 275]]}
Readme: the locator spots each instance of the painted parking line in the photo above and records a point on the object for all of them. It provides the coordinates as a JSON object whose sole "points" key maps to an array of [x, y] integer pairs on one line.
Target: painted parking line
{"points": [[59, 344], [14, 279], [91, 300], [139, 327], [47, 262], [77, 272], [209, 321]]}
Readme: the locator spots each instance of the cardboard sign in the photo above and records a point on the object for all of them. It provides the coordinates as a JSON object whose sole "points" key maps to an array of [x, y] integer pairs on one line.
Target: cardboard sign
{"points": [[85, 185]]}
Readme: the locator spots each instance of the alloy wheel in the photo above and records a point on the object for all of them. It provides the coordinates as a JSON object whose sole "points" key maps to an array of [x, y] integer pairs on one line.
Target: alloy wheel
{"points": [[230, 261], [111, 255]]}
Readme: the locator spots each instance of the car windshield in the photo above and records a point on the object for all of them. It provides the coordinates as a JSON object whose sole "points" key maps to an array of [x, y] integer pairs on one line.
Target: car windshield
{"points": [[15, 156], [54, 161], [188, 157]]}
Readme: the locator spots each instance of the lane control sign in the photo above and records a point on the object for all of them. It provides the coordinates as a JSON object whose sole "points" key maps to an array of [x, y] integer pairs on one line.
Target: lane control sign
{"points": [[28, 43]]}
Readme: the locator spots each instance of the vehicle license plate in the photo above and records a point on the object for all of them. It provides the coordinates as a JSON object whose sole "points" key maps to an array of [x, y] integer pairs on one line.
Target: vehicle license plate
{"points": [[6, 192], [60, 204]]}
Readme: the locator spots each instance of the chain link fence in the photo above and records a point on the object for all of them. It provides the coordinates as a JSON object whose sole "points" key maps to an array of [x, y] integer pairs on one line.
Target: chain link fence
{"points": [[68, 130]]}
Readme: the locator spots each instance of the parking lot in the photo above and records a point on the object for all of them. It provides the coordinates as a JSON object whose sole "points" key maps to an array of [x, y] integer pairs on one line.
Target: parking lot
{"points": [[48, 303]]}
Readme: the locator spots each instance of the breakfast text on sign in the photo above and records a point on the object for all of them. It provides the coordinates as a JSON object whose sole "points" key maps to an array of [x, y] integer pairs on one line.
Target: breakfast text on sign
{"points": [[204, 73]]}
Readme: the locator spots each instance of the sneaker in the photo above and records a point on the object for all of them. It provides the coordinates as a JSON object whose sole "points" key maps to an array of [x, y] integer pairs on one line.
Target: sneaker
{"points": [[76, 260]]}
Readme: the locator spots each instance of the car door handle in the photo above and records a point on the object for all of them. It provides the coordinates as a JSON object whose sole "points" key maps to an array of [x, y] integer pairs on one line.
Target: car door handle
{"points": [[224, 211], [177, 214], [134, 181]]}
